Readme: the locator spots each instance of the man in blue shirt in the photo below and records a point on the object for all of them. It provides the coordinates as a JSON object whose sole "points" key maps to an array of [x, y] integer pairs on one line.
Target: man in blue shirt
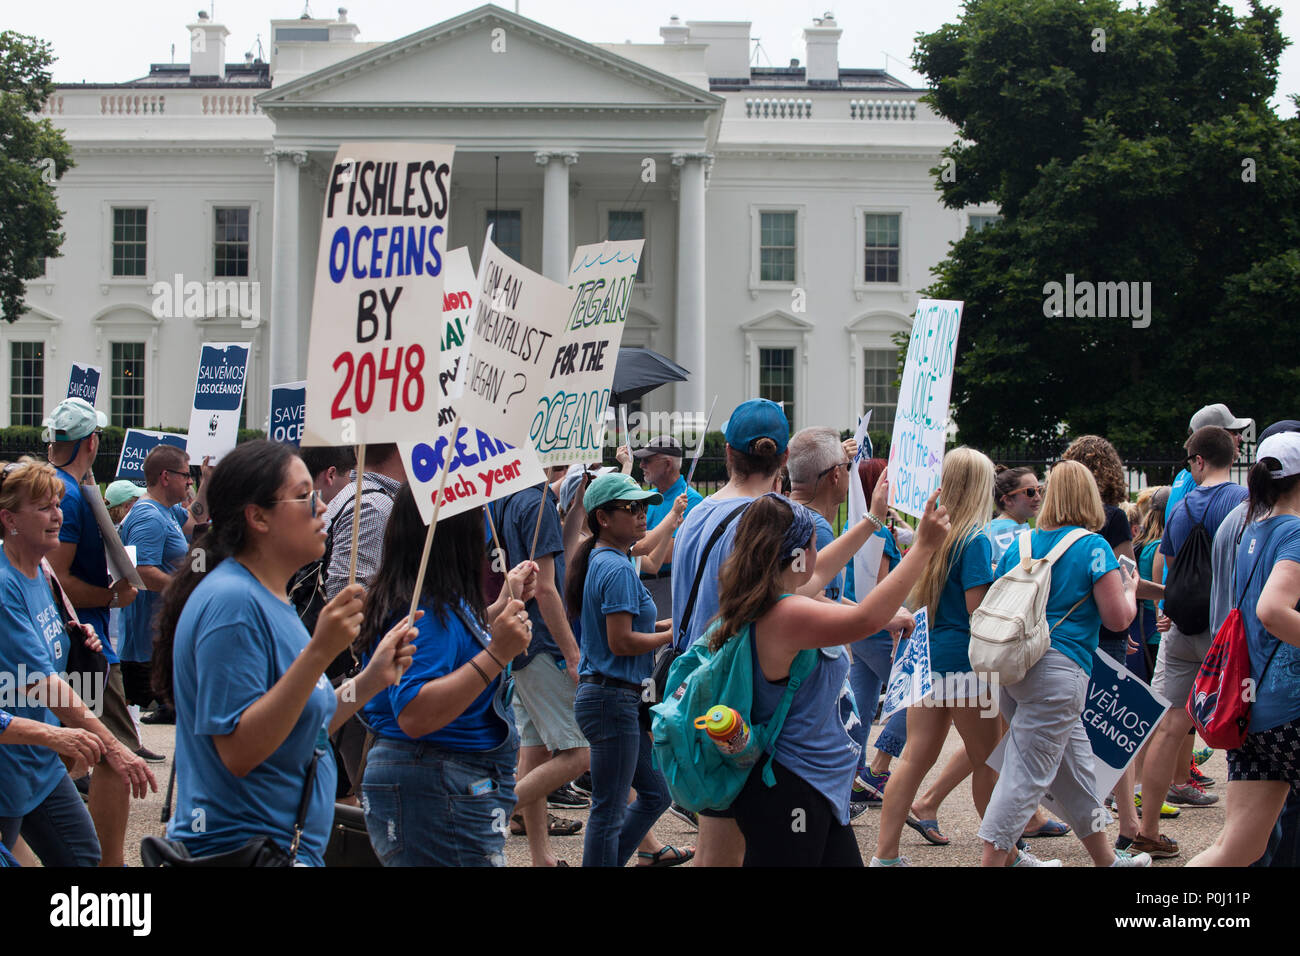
{"points": [[661, 468], [1208, 415]]}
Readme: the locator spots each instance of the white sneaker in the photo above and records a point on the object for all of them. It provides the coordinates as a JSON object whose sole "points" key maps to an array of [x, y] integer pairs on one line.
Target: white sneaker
{"points": [[901, 861], [1125, 858], [1025, 858]]}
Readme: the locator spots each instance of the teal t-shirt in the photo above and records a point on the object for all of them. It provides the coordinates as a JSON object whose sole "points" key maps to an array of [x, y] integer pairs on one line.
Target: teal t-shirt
{"points": [[972, 567], [1002, 531], [1085, 563]]}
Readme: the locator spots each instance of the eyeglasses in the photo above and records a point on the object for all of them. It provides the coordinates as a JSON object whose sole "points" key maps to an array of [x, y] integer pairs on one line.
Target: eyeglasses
{"points": [[179, 474], [631, 507], [846, 465], [313, 499]]}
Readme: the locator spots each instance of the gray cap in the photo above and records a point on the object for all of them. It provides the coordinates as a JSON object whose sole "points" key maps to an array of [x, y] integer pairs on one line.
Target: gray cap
{"points": [[1218, 415], [663, 445]]}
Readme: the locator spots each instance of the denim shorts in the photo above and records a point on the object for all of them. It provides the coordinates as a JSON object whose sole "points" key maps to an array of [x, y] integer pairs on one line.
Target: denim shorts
{"points": [[428, 806]]}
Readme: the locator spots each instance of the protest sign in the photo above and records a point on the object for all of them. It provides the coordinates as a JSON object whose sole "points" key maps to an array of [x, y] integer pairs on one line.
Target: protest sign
{"points": [[866, 562], [569, 420], [83, 381], [1119, 715], [136, 447], [479, 469], [120, 564], [218, 395], [373, 351], [288, 411], [910, 680], [460, 289], [920, 424], [519, 318]]}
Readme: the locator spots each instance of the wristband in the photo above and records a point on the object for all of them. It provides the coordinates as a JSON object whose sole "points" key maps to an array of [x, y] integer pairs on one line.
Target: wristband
{"points": [[876, 521], [486, 680], [494, 658]]}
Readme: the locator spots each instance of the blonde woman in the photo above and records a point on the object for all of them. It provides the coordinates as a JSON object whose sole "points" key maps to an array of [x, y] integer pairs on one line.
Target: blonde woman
{"points": [[1047, 747], [952, 584]]}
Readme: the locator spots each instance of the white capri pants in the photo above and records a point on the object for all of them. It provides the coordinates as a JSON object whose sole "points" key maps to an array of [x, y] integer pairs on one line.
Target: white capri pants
{"points": [[1047, 749]]}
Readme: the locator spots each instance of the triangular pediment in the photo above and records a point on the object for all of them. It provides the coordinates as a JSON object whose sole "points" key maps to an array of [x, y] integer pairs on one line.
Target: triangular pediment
{"points": [[777, 321], [489, 56]]}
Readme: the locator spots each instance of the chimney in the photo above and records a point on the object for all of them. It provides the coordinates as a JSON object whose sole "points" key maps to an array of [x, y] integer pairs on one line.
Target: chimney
{"points": [[341, 31], [822, 49], [728, 50], [675, 32], [207, 48]]}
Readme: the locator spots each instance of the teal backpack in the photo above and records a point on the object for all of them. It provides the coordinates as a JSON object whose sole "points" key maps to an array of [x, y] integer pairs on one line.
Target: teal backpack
{"points": [[699, 775]]}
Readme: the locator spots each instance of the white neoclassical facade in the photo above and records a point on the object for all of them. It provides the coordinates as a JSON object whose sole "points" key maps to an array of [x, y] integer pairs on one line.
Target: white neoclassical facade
{"points": [[789, 213]]}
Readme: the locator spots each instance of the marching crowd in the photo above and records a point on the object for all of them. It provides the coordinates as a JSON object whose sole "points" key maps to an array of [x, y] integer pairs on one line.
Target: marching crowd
{"points": [[547, 625]]}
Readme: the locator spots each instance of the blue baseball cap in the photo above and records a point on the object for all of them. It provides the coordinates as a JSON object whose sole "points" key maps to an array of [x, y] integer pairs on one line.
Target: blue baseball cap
{"points": [[755, 419]]}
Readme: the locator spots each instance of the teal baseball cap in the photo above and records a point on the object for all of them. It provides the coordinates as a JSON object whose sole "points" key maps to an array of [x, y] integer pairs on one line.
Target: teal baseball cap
{"points": [[72, 420], [617, 486], [755, 419], [122, 491]]}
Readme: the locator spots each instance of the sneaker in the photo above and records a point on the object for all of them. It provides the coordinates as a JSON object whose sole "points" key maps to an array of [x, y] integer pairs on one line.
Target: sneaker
{"points": [[147, 755], [1162, 847], [873, 785], [898, 861], [1123, 858], [1166, 811], [1191, 795], [1025, 858], [1202, 755], [1194, 776], [163, 715], [859, 807], [1122, 842], [566, 798], [583, 783], [686, 816]]}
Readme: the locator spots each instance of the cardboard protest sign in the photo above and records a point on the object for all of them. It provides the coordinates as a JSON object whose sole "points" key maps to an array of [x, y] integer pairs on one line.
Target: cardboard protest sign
{"points": [[136, 447], [288, 411], [910, 680], [218, 395], [866, 562], [519, 318], [920, 424], [569, 423], [373, 351], [460, 290], [120, 564], [481, 469], [83, 381]]}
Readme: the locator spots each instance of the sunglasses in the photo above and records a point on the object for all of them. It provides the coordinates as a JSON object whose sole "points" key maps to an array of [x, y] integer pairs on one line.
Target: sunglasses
{"points": [[1029, 493], [846, 465], [313, 500], [631, 507]]}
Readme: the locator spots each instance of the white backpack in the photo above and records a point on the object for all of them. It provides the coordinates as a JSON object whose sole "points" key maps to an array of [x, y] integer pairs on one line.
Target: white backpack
{"points": [[1008, 631]]}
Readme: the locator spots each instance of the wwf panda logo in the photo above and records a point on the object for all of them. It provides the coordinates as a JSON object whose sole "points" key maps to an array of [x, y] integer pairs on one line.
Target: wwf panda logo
{"points": [[213, 422]]}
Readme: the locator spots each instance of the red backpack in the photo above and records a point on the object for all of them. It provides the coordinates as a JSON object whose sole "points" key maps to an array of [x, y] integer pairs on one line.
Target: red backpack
{"points": [[1219, 704]]}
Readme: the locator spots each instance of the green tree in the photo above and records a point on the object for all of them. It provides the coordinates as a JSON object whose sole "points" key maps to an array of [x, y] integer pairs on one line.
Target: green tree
{"points": [[1156, 159], [33, 156]]}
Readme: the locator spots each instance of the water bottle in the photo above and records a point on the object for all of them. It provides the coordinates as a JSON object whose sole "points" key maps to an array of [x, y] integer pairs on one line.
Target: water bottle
{"points": [[728, 730]]}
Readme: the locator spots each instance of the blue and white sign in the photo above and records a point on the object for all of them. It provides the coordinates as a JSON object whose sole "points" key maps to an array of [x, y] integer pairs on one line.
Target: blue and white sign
{"points": [[288, 411], [136, 447], [910, 680], [83, 382], [218, 395]]}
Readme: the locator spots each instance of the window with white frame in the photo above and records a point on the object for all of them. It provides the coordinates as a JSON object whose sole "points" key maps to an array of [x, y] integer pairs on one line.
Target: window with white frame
{"points": [[629, 224], [26, 382], [879, 393], [130, 241], [979, 223], [777, 247], [776, 379], [126, 378], [230, 241], [508, 236], [881, 247]]}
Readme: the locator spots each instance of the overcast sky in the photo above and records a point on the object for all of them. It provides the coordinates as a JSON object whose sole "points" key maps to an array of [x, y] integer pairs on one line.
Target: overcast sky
{"points": [[102, 43]]}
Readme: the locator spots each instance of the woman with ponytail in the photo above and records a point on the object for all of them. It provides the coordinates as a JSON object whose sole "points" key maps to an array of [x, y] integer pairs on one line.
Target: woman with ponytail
{"points": [[814, 758], [253, 708], [1266, 768]]}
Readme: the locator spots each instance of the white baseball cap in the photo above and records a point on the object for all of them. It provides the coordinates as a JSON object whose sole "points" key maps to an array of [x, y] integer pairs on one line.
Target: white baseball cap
{"points": [[72, 420], [1285, 447]]}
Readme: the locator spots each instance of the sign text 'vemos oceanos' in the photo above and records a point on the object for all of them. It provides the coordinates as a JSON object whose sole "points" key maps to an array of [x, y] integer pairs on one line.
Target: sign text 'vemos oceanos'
{"points": [[920, 425], [218, 395], [373, 353]]}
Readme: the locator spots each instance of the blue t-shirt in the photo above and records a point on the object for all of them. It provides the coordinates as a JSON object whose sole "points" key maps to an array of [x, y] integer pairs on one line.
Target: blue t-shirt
{"points": [[1183, 483], [182, 515], [1001, 532], [1084, 563], [1207, 505], [158, 544], [440, 648], [972, 567], [234, 641], [826, 536], [88, 562], [692, 536], [612, 587], [33, 644], [1265, 543], [516, 520], [656, 513], [891, 554]]}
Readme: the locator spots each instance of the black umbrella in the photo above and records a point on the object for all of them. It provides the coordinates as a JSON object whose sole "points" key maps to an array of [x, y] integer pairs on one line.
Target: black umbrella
{"points": [[640, 371]]}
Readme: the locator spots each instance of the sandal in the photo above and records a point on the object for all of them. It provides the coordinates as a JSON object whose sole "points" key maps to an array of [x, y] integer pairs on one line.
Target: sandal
{"points": [[1052, 828], [929, 829], [555, 826], [658, 859]]}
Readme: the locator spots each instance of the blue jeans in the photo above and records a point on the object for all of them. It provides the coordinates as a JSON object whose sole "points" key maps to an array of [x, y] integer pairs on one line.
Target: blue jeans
{"points": [[894, 736], [872, 660], [59, 831], [428, 806], [620, 760]]}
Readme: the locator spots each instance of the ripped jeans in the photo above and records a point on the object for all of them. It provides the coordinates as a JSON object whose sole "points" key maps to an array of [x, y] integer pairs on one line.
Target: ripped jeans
{"points": [[429, 806]]}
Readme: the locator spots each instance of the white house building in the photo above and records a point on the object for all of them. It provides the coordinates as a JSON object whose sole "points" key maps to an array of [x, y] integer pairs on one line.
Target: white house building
{"points": [[789, 213]]}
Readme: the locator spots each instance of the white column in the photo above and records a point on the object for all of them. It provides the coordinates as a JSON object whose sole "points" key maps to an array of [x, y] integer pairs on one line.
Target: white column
{"points": [[690, 327], [555, 213], [285, 318]]}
